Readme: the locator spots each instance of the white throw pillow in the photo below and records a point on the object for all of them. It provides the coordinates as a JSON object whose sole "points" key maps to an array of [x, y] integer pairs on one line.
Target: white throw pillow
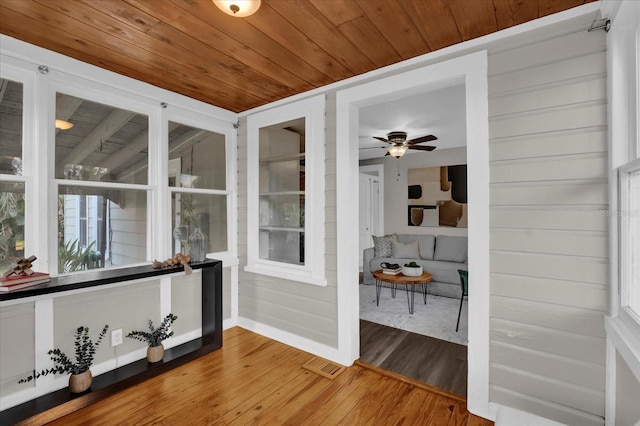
{"points": [[407, 251]]}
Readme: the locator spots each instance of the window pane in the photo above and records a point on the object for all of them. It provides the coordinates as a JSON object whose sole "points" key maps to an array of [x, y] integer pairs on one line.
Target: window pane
{"points": [[282, 184], [114, 228], [634, 241], [10, 127], [104, 143], [207, 212], [197, 158], [11, 223]]}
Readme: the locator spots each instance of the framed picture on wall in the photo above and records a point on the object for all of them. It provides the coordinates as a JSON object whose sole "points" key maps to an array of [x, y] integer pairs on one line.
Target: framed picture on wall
{"points": [[437, 196]]}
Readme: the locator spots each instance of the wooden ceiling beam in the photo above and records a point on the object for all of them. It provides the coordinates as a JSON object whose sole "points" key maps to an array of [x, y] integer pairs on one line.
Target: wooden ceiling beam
{"points": [[182, 142], [103, 131], [3, 87], [135, 146]]}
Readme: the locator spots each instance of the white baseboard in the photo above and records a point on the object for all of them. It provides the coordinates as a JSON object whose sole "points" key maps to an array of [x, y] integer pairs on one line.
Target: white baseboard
{"points": [[294, 340]]}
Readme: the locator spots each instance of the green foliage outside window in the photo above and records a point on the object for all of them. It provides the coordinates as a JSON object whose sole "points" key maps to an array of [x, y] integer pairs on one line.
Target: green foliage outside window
{"points": [[11, 228]]}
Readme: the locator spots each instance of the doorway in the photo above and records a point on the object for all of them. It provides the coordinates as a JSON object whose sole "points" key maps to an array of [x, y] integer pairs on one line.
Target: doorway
{"points": [[371, 202], [470, 70]]}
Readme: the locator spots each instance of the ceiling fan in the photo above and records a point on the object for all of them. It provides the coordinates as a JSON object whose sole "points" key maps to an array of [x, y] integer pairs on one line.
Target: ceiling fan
{"points": [[399, 143]]}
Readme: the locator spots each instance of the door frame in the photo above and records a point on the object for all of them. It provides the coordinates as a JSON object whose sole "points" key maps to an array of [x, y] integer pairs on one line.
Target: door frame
{"points": [[470, 70]]}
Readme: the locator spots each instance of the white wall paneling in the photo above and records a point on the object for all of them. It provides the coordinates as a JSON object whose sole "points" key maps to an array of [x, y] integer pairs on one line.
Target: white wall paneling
{"points": [[549, 257]]}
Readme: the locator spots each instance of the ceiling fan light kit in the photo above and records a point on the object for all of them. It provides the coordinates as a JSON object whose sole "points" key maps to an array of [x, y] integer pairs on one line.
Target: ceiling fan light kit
{"points": [[238, 8], [397, 150], [400, 144]]}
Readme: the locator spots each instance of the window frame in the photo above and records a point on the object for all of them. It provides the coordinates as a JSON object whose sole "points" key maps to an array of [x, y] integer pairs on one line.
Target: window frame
{"points": [[190, 118], [312, 271], [12, 70], [57, 82], [628, 284], [40, 85]]}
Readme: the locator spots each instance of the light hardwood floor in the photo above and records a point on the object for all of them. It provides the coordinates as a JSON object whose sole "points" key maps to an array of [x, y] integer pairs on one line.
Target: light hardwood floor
{"points": [[255, 380]]}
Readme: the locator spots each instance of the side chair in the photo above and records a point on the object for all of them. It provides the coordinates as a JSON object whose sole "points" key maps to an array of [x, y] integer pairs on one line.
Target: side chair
{"points": [[464, 284]]}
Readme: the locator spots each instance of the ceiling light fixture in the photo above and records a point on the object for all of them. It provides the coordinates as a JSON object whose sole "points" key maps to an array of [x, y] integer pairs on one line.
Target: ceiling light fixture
{"points": [[238, 8], [63, 125], [397, 150]]}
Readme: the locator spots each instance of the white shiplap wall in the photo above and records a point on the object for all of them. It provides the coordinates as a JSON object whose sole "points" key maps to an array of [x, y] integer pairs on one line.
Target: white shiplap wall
{"points": [[549, 295]]}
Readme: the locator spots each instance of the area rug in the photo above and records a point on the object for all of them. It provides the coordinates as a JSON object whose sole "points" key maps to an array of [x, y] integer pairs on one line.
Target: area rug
{"points": [[435, 319]]}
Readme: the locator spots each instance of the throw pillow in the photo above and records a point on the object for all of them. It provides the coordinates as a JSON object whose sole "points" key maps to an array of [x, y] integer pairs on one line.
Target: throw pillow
{"points": [[382, 245], [406, 251], [451, 249]]}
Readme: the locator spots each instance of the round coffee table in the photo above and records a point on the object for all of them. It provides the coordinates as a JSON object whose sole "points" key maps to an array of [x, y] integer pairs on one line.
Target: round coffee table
{"points": [[394, 280]]}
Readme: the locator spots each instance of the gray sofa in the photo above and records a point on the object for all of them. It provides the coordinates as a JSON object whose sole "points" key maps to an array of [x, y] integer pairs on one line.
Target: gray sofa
{"points": [[441, 256]]}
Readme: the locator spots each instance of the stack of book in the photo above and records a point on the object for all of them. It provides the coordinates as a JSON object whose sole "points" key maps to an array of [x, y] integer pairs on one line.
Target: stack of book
{"points": [[16, 282], [391, 269]]}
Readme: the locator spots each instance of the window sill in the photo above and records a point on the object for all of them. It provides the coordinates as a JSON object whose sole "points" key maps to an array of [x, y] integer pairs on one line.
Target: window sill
{"points": [[286, 273], [625, 335]]}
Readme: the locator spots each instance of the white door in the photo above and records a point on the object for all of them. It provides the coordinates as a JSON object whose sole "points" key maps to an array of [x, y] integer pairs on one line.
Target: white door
{"points": [[370, 211]]}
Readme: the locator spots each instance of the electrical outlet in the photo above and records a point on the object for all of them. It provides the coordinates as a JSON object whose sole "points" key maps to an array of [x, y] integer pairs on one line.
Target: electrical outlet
{"points": [[116, 337]]}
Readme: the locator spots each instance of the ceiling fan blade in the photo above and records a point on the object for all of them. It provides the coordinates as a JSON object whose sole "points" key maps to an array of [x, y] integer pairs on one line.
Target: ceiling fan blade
{"points": [[381, 139], [374, 147], [422, 148], [421, 139]]}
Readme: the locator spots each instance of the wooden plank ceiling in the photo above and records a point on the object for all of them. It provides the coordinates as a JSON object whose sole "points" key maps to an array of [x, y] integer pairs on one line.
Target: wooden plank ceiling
{"points": [[287, 47]]}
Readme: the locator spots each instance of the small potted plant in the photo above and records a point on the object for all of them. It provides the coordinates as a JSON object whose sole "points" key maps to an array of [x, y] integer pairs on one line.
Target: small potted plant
{"points": [[85, 348], [412, 269], [154, 337]]}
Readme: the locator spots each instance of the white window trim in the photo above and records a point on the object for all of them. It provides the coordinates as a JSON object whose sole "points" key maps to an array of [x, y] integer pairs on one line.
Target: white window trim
{"points": [[312, 272]]}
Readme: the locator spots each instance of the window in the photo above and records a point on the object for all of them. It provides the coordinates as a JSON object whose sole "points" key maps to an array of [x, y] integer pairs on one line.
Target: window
{"points": [[627, 148], [285, 190], [623, 74], [12, 185], [198, 185], [630, 200], [281, 178], [102, 223], [84, 180]]}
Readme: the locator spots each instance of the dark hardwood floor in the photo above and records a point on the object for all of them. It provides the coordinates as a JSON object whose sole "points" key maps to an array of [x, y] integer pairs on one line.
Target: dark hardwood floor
{"points": [[432, 361]]}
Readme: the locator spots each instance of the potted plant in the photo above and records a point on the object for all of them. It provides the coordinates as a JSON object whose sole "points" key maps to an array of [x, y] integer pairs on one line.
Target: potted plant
{"points": [[85, 349], [412, 269], [155, 336]]}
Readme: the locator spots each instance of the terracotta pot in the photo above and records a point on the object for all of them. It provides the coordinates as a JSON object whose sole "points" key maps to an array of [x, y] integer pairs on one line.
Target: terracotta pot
{"points": [[155, 353], [79, 383]]}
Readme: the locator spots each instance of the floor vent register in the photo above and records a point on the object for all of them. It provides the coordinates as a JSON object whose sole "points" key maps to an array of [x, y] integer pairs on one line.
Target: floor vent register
{"points": [[323, 367]]}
